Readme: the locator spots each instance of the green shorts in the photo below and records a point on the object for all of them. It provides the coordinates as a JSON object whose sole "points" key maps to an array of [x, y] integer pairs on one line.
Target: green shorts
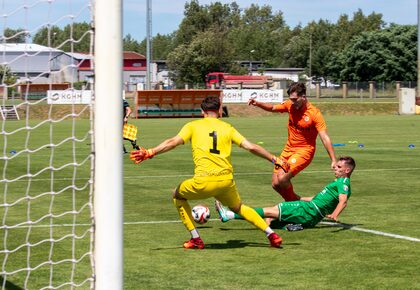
{"points": [[298, 212]]}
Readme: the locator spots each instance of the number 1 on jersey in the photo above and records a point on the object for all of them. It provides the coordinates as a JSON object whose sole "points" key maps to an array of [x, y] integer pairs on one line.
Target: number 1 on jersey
{"points": [[214, 149]]}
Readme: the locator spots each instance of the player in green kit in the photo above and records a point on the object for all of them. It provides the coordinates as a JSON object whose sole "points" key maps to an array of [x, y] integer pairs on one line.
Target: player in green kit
{"points": [[308, 211]]}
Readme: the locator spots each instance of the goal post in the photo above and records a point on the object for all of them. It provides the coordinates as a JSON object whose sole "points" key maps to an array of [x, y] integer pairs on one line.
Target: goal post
{"points": [[108, 199]]}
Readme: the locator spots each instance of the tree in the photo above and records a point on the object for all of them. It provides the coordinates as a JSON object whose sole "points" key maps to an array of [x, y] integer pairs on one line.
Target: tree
{"points": [[209, 51], [74, 37], [48, 36], [198, 19], [7, 77], [15, 35], [261, 31], [385, 55], [130, 44], [346, 29], [162, 45]]}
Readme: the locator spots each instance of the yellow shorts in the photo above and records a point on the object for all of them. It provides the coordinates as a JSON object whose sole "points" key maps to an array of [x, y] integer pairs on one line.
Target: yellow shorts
{"points": [[201, 188]]}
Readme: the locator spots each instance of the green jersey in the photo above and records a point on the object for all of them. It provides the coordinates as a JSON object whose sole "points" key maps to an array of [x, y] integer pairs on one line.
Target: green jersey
{"points": [[327, 200]]}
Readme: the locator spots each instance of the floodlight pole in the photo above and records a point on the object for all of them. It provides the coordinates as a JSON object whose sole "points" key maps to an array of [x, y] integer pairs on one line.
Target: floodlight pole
{"points": [[418, 48], [148, 42]]}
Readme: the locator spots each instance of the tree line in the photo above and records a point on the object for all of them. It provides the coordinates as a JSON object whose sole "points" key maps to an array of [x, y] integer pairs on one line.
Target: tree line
{"points": [[215, 37]]}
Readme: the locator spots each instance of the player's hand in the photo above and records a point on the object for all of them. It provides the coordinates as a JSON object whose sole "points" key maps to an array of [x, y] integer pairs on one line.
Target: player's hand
{"points": [[252, 102], [142, 154], [332, 217], [280, 162]]}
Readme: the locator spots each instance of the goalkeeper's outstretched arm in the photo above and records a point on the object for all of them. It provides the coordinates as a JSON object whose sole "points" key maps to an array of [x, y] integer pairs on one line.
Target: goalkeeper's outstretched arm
{"points": [[261, 152], [138, 156], [168, 145]]}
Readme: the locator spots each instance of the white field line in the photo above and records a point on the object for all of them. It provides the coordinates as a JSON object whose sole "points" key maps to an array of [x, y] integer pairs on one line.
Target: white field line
{"points": [[325, 223], [350, 227], [346, 226]]}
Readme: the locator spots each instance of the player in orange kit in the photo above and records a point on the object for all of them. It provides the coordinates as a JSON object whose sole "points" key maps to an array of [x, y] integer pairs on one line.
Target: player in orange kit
{"points": [[305, 123]]}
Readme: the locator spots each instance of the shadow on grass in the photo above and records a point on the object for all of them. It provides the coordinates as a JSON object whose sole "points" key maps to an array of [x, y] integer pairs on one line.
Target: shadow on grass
{"points": [[340, 226], [9, 285], [230, 244]]}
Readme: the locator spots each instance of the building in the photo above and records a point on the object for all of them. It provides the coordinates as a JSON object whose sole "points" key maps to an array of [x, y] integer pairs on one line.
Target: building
{"points": [[38, 64]]}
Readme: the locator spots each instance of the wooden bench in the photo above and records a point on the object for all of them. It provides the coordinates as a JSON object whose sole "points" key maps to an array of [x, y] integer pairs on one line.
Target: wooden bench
{"points": [[171, 103]]}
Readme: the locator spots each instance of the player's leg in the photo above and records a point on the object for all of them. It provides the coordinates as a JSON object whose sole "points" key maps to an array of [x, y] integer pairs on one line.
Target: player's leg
{"points": [[298, 212], [187, 190], [134, 144], [225, 214], [231, 199], [281, 181]]}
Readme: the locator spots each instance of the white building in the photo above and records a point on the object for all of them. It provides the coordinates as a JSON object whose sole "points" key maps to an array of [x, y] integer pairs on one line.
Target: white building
{"points": [[38, 64]]}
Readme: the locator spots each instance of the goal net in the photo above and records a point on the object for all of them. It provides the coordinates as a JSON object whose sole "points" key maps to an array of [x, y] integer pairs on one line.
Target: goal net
{"points": [[52, 205]]}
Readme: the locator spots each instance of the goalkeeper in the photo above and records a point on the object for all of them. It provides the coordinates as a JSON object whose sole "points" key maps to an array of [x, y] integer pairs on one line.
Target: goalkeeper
{"points": [[211, 141], [308, 211]]}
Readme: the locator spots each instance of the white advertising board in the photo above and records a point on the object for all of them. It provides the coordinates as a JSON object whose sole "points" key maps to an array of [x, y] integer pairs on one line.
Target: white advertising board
{"points": [[69, 97], [242, 96]]}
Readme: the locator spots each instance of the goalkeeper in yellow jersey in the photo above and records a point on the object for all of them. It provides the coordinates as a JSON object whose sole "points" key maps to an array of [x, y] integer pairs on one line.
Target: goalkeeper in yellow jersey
{"points": [[211, 141]]}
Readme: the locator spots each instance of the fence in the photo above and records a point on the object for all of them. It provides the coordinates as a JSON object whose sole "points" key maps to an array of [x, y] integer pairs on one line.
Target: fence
{"points": [[360, 90]]}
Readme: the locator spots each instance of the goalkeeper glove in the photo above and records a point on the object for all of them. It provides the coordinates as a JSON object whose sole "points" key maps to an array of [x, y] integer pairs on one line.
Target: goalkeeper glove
{"points": [[142, 154], [280, 162]]}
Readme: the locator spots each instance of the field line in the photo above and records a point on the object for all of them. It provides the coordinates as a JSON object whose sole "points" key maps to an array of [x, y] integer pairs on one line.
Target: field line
{"points": [[353, 228], [346, 226]]}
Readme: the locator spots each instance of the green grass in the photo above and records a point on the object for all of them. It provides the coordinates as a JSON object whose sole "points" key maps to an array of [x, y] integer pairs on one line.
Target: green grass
{"points": [[385, 198]]}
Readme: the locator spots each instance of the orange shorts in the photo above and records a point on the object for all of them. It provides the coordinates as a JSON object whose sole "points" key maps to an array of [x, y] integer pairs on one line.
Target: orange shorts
{"points": [[297, 161]]}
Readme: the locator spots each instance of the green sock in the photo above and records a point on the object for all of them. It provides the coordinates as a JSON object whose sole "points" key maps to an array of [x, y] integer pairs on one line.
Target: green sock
{"points": [[259, 211]]}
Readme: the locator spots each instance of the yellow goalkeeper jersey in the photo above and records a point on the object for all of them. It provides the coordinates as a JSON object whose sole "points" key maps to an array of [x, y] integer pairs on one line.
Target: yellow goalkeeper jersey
{"points": [[211, 143]]}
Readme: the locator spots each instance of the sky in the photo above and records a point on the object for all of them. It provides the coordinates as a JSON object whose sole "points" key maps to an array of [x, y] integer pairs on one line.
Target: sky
{"points": [[168, 14]]}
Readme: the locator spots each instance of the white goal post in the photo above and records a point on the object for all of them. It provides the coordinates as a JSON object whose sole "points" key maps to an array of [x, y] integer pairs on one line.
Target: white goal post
{"points": [[108, 145], [61, 200]]}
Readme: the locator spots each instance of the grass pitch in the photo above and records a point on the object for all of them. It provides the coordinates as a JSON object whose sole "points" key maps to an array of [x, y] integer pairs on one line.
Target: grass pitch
{"points": [[385, 199]]}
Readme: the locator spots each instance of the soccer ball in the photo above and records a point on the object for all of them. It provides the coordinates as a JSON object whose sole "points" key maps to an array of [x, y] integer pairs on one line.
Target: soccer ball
{"points": [[201, 214]]}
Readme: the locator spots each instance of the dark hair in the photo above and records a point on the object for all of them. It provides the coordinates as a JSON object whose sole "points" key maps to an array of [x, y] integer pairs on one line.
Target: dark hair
{"points": [[299, 88], [349, 161], [210, 103]]}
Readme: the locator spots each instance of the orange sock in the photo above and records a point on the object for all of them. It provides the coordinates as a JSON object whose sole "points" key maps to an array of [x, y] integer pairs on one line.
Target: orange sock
{"points": [[289, 194]]}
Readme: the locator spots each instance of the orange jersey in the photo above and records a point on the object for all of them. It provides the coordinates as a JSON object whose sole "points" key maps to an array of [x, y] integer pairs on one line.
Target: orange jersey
{"points": [[303, 127]]}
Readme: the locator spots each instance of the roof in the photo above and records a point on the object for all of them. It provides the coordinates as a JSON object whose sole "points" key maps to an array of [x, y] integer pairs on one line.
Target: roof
{"points": [[79, 56], [284, 69], [133, 55], [26, 47]]}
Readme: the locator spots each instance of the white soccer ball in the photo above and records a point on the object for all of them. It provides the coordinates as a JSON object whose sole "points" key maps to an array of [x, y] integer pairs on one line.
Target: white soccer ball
{"points": [[201, 214]]}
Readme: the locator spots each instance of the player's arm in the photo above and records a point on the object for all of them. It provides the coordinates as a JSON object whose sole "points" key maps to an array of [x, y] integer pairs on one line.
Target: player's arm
{"points": [[256, 150], [326, 141], [265, 106], [342, 203], [142, 154], [168, 145], [261, 152]]}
